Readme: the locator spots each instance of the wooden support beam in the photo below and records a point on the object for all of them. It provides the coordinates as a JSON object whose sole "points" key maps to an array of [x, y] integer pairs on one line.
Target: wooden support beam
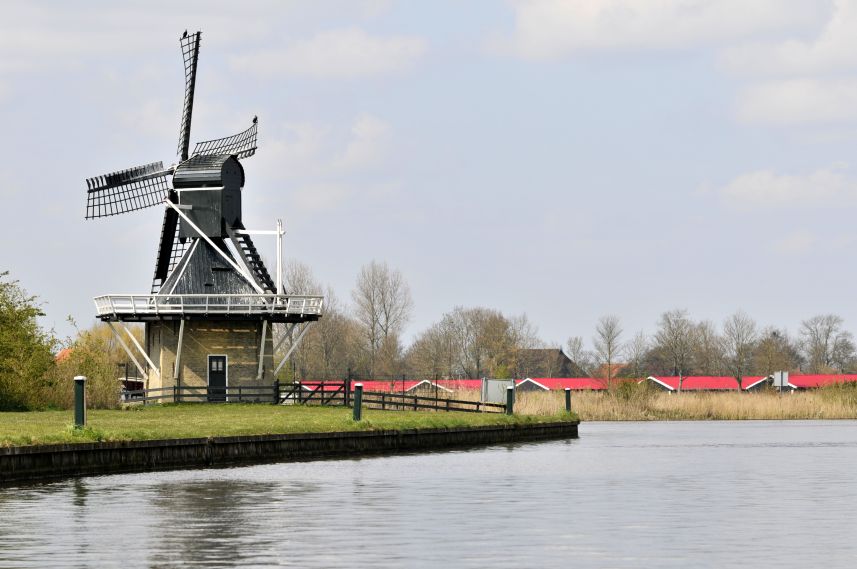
{"points": [[294, 346], [286, 335], [262, 350], [142, 351], [128, 351], [178, 365]]}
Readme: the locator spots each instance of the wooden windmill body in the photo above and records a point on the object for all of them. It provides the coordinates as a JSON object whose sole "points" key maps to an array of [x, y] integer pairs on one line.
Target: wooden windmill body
{"points": [[211, 310]]}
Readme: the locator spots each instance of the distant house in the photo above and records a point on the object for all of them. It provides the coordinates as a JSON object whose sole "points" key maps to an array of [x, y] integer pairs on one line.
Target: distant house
{"points": [[530, 385], [615, 369], [573, 383], [811, 381], [547, 362], [63, 355], [759, 384], [702, 382], [426, 387], [748, 383]]}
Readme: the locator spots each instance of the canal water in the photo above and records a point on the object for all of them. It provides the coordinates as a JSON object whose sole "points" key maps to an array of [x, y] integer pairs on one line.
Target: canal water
{"points": [[677, 494]]}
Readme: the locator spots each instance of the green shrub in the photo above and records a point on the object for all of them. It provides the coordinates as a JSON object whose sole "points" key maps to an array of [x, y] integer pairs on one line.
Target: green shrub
{"points": [[26, 351]]}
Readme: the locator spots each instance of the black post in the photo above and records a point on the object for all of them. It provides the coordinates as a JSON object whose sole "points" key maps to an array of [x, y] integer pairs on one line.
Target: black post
{"points": [[276, 391], [348, 387], [79, 401], [510, 400], [568, 400], [357, 412]]}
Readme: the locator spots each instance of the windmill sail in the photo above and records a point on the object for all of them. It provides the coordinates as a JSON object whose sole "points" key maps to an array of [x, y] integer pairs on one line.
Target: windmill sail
{"points": [[127, 190], [190, 54], [242, 145]]}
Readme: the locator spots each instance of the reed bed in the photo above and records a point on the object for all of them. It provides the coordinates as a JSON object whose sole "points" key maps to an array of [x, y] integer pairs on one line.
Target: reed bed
{"points": [[632, 402]]}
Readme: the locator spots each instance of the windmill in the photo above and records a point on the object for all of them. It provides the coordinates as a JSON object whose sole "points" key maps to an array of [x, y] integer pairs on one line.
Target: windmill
{"points": [[209, 276]]}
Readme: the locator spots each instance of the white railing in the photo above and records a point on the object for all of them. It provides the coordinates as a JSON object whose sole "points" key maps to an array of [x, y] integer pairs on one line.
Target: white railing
{"points": [[124, 305]]}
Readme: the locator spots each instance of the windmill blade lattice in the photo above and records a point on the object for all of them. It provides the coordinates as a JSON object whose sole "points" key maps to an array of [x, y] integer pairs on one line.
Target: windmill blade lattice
{"points": [[127, 190], [242, 145], [190, 54]]}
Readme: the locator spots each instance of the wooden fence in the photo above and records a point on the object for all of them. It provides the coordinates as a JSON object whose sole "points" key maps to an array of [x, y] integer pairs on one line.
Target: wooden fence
{"points": [[327, 393], [189, 394]]}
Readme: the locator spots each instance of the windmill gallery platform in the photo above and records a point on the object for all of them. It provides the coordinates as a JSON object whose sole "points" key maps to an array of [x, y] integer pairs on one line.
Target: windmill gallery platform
{"points": [[209, 317]]}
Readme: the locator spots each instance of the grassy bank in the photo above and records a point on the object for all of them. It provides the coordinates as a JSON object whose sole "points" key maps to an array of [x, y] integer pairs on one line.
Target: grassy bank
{"points": [[191, 421], [640, 403]]}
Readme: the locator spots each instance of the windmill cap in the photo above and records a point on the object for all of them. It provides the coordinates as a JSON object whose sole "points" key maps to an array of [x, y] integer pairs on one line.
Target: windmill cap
{"points": [[209, 170]]}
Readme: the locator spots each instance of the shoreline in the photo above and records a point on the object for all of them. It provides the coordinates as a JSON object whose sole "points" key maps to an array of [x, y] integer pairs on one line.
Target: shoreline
{"points": [[45, 462]]}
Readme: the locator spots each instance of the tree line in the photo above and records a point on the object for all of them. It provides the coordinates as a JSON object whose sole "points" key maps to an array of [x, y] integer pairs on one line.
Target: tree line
{"points": [[362, 337]]}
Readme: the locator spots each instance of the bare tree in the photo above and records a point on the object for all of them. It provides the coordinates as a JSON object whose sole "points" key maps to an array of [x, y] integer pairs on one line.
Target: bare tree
{"points": [[775, 351], [431, 352], [635, 352], [607, 343], [299, 279], [825, 343], [329, 345], [843, 352], [740, 338], [577, 353], [675, 336], [383, 305], [708, 349]]}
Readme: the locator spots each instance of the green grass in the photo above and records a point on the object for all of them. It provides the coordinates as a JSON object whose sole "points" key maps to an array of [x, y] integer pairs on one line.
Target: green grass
{"points": [[176, 421]]}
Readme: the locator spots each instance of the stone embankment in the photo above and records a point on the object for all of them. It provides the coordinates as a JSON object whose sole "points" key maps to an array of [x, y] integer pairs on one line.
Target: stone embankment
{"points": [[55, 461]]}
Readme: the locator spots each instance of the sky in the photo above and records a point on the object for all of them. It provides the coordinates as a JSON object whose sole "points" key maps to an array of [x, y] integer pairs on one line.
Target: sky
{"points": [[563, 159]]}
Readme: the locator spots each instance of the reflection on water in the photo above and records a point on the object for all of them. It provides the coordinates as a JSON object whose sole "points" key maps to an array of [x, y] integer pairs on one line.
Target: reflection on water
{"points": [[751, 494]]}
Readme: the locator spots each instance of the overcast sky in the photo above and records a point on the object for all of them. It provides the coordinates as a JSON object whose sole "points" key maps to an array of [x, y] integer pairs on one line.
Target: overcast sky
{"points": [[564, 159]]}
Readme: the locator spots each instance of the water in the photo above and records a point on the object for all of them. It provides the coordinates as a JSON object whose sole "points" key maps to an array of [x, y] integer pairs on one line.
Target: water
{"points": [[682, 494]]}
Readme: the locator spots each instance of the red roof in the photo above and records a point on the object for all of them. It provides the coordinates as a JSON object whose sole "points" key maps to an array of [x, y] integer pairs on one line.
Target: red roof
{"points": [[809, 380], [690, 383], [380, 385], [575, 383], [706, 382]]}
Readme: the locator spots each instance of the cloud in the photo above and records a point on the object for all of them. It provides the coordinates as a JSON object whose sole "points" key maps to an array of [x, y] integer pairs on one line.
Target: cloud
{"points": [[764, 189], [547, 29], [834, 49], [150, 117], [344, 53], [795, 243], [799, 101], [368, 144], [329, 165], [320, 197]]}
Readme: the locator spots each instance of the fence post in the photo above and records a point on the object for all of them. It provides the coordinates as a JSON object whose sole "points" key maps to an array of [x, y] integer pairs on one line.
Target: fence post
{"points": [[358, 401], [79, 401], [348, 387], [510, 400], [276, 391], [568, 400]]}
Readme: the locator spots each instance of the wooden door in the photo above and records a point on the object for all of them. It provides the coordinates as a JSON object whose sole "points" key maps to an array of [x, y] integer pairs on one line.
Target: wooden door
{"points": [[217, 378]]}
